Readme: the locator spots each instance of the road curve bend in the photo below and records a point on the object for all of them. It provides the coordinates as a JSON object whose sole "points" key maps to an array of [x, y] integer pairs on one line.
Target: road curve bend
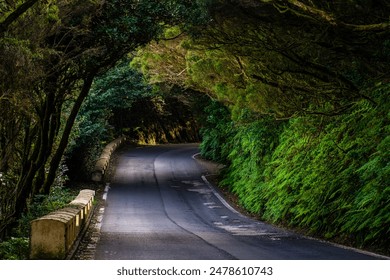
{"points": [[158, 207]]}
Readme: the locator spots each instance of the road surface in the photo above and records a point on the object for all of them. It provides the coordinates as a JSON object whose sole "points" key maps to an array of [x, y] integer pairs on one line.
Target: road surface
{"points": [[158, 207]]}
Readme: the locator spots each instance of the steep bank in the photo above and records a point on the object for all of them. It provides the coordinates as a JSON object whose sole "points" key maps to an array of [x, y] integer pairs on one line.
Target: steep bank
{"points": [[325, 176]]}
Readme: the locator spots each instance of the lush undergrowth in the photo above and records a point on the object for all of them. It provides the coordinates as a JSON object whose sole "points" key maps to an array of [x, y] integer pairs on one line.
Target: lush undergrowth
{"points": [[327, 176], [17, 246]]}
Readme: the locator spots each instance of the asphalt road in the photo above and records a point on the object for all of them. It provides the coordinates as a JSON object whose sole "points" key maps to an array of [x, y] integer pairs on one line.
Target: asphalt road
{"points": [[158, 207]]}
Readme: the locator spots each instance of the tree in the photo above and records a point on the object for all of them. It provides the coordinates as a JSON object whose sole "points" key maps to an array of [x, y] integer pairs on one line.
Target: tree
{"points": [[65, 44], [320, 69], [112, 92], [281, 58]]}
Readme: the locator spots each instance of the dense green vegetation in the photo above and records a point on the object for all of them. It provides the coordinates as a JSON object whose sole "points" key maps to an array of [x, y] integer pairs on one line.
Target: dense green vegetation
{"points": [[121, 103], [297, 95], [50, 54], [326, 176], [112, 93], [300, 111], [17, 246]]}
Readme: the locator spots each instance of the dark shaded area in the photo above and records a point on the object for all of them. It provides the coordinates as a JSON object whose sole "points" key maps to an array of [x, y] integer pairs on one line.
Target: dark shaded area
{"points": [[158, 120], [150, 120]]}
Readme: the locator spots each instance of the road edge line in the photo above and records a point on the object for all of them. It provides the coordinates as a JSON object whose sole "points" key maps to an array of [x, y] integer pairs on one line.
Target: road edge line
{"points": [[231, 208]]}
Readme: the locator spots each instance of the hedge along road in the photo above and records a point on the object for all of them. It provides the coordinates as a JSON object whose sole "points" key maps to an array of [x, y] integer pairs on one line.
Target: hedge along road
{"points": [[159, 207]]}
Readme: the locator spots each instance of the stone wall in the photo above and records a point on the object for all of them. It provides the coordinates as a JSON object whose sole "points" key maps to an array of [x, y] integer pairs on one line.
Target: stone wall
{"points": [[104, 159], [53, 235]]}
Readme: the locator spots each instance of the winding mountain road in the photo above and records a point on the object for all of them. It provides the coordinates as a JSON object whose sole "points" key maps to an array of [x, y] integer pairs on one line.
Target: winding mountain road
{"points": [[158, 207]]}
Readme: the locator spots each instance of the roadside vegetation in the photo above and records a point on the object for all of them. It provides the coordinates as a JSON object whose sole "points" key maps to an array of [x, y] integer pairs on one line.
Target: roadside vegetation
{"points": [[324, 176], [290, 95], [299, 112], [16, 247], [52, 55]]}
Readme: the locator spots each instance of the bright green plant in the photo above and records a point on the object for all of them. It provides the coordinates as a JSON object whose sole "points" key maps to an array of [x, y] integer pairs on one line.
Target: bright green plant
{"points": [[216, 133], [251, 148], [14, 249], [330, 175], [325, 175]]}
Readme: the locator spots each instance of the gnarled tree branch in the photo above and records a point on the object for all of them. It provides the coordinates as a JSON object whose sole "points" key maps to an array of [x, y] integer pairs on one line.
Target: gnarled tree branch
{"points": [[15, 15]]}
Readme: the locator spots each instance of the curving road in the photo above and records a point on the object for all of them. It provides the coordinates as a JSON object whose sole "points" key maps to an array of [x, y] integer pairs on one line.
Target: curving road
{"points": [[158, 207]]}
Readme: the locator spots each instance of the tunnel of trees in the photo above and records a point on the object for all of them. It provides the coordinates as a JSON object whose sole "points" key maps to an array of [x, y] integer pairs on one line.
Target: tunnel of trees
{"points": [[290, 95]]}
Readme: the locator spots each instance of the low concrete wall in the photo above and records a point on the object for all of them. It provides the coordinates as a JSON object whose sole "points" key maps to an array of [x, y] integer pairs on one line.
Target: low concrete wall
{"points": [[52, 236], [104, 159]]}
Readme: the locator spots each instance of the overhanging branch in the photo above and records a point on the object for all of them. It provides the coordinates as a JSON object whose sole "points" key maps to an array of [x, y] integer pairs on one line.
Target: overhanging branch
{"points": [[15, 15]]}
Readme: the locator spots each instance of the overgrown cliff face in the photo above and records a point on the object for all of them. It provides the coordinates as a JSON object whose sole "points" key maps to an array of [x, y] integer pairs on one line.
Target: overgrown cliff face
{"points": [[325, 176]]}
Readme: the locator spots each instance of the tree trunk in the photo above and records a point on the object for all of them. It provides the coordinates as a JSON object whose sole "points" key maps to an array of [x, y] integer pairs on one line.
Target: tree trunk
{"points": [[15, 15], [54, 126], [31, 168], [56, 159]]}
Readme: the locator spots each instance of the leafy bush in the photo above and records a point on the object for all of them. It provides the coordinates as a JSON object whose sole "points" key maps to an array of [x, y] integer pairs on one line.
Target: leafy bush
{"points": [[116, 90], [328, 176], [216, 133], [17, 247], [113, 93], [41, 205], [14, 249], [251, 148]]}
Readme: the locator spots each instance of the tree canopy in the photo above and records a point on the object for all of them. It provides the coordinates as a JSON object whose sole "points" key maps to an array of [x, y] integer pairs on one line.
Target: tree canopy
{"points": [[297, 90], [299, 113], [51, 52], [281, 57]]}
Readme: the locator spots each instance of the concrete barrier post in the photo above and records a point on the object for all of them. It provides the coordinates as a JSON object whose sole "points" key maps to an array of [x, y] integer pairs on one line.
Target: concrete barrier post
{"points": [[104, 159], [53, 235]]}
